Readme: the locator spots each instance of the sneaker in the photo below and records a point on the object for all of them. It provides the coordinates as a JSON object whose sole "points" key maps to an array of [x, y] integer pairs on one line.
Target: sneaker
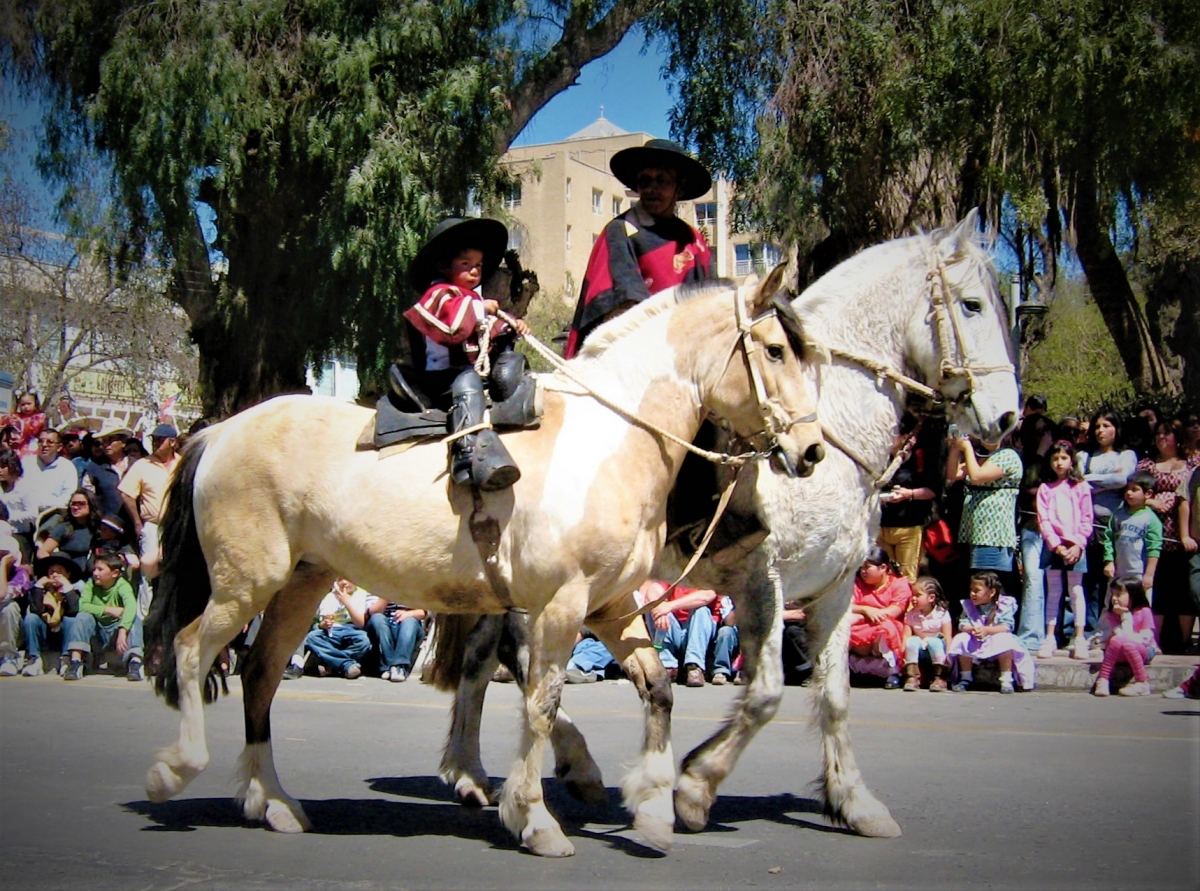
{"points": [[1007, 687], [739, 679], [64, 662], [1101, 688], [397, 675], [293, 671], [938, 685], [695, 676], [1178, 693], [720, 679], [1080, 649], [322, 671], [1137, 688], [33, 668], [8, 668], [1046, 650], [960, 686], [579, 676], [892, 682], [352, 671], [912, 684], [134, 671], [74, 671]]}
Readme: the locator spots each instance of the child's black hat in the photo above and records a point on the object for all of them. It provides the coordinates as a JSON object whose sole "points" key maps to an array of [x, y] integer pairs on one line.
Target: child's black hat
{"points": [[449, 237], [59, 558]]}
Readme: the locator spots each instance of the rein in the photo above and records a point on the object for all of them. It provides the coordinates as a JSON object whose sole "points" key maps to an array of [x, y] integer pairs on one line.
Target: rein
{"points": [[951, 346]]}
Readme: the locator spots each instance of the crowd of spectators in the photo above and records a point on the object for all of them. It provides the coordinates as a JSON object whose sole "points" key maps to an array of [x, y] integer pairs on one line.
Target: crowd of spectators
{"points": [[1077, 538]]}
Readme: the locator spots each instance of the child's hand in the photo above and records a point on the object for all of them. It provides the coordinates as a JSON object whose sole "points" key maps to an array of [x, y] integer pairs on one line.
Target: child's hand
{"points": [[521, 326], [1148, 582], [1109, 570], [1071, 554], [491, 307], [1189, 544]]}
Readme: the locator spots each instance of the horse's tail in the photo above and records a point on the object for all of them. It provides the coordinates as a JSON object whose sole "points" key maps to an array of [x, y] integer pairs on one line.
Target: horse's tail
{"points": [[184, 587], [444, 668]]}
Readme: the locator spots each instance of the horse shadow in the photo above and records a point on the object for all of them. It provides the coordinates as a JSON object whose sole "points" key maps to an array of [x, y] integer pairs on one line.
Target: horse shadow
{"points": [[429, 809]]}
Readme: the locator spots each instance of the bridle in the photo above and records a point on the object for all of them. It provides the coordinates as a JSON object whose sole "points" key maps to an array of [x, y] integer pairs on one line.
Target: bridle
{"points": [[775, 423], [953, 365]]}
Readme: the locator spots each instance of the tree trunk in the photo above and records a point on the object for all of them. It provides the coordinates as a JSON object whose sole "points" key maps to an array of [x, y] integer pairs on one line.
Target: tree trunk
{"points": [[1114, 297]]}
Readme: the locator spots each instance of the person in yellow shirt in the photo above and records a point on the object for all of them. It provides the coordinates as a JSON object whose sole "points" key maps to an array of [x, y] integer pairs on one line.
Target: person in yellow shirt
{"points": [[142, 490]]}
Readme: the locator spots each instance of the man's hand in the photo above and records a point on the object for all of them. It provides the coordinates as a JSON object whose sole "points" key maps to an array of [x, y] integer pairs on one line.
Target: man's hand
{"points": [[1189, 543], [661, 616], [1110, 570]]}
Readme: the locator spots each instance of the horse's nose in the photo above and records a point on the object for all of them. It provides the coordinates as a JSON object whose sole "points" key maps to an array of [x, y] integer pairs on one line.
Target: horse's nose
{"points": [[815, 453]]}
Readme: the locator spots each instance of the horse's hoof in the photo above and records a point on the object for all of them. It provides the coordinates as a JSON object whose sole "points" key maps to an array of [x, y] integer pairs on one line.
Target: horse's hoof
{"points": [[549, 843], [658, 833], [163, 783], [590, 792], [471, 794], [693, 801], [876, 825], [283, 817]]}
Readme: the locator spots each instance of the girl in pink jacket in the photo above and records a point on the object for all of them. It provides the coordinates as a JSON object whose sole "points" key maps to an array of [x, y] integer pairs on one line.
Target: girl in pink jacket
{"points": [[1064, 514]]}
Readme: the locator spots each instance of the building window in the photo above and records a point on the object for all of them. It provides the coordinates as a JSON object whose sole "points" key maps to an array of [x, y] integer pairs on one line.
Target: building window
{"points": [[759, 258], [706, 215], [597, 198], [568, 188], [568, 237], [512, 197], [616, 206]]}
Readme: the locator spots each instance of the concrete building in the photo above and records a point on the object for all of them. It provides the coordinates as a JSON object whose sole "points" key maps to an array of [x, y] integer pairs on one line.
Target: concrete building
{"points": [[565, 195]]}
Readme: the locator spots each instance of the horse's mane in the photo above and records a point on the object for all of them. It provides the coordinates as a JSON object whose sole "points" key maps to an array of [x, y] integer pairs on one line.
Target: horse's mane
{"points": [[615, 329]]}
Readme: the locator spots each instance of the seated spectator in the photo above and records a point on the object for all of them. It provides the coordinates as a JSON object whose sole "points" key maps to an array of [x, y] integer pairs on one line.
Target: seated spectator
{"points": [[927, 630], [18, 499], [590, 660], [396, 632], [53, 598], [74, 535], [686, 625], [880, 599], [725, 651], [797, 667], [1133, 535], [338, 638], [107, 617], [111, 536], [986, 632], [1127, 634], [15, 582], [50, 476]]}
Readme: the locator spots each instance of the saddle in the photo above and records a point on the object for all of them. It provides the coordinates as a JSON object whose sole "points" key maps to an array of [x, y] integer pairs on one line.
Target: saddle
{"points": [[406, 415]]}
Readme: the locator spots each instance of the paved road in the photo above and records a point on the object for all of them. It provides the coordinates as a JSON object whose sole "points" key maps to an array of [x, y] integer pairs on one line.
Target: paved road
{"points": [[1040, 790]]}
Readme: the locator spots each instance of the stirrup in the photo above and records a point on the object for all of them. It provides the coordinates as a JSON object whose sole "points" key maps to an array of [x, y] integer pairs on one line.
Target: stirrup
{"points": [[405, 392]]}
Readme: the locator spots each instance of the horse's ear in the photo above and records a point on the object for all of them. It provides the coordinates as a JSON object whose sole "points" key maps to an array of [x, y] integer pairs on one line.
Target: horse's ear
{"points": [[766, 292], [958, 239]]}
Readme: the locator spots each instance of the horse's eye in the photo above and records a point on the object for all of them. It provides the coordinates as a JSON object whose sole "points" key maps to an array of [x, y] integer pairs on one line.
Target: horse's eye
{"points": [[775, 352], [974, 307]]}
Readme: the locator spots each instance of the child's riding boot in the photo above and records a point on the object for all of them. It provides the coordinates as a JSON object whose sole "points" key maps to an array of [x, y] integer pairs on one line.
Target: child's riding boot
{"points": [[478, 458], [938, 684], [514, 393]]}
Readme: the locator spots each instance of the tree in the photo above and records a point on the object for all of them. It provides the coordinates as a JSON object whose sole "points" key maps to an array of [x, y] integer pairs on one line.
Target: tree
{"points": [[321, 138], [873, 117]]}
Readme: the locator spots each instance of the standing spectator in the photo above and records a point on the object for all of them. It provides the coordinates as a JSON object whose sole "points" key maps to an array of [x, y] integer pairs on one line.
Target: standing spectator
{"points": [[1190, 421], [927, 628], [1127, 634], [50, 477], [29, 421], [74, 535], [1133, 536], [880, 601], [72, 449], [142, 489], [1064, 520], [107, 617], [986, 632], [53, 599], [396, 631], [338, 639], [1106, 465], [907, 502], [988, 525], [1034, 439], [1189, 534], [1171, 466], [688, 622], [15, 582], [101, 476], [18, 498], [647, 248]]}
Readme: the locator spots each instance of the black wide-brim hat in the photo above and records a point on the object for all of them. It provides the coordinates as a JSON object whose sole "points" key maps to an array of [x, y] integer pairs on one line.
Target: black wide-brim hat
{"points": [[662, 153], [59, 558], [449, 237]]}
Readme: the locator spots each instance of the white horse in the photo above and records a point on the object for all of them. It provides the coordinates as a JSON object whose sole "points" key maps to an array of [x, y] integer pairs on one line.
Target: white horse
{"points": [[916, 314], [260, 520]]}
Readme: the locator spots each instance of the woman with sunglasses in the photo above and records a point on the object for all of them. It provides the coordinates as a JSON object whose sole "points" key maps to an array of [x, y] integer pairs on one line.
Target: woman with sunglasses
{"points": [[647, 248], [74, 535]]}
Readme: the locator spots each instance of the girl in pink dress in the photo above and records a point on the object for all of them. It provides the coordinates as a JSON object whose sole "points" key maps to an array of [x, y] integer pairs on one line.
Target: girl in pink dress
{"points": [[1064, 517], [28, 420], [881, 598], [1127, 633]]}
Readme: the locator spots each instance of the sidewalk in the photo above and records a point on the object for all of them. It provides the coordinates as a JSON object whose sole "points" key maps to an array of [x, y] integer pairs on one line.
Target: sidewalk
{"points": [[1064, 673]]}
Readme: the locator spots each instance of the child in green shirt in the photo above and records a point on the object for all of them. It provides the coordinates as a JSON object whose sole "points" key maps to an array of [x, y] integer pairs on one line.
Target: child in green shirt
{"points": [[108, 616]]}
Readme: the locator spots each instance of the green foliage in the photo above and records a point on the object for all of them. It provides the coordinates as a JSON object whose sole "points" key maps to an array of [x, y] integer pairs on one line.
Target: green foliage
{"points": [[548, 316]]}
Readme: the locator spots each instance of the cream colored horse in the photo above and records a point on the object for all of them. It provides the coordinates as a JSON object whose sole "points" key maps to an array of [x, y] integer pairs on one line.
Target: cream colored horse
{"points": [[271, 505]]}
